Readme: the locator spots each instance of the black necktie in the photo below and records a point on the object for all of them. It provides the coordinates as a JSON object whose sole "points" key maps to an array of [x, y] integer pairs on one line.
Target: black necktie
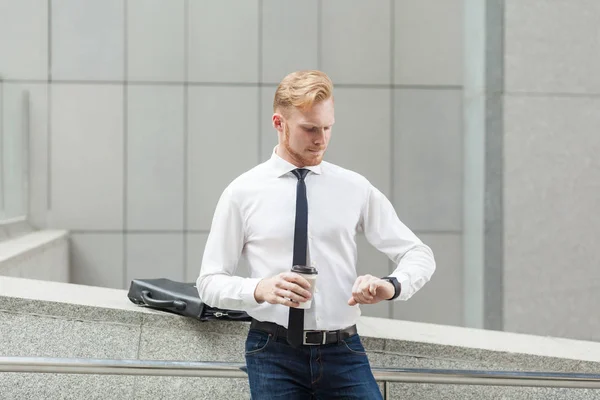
{"points": [[296, 316]]}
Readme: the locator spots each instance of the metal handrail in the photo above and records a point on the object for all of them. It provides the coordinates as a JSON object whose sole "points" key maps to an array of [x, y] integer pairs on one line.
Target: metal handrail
{"points": [[237, 370]]}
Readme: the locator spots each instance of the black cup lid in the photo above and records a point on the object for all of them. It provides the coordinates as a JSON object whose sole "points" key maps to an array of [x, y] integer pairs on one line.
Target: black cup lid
{"points": [[304, 269]]}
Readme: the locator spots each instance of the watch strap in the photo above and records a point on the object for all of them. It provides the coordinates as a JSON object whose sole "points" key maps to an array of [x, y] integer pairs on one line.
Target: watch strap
{"points": [[397, 286]]}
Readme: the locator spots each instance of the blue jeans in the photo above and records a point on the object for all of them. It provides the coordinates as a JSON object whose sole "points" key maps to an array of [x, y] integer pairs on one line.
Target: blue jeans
{"points": [[277, 370]]}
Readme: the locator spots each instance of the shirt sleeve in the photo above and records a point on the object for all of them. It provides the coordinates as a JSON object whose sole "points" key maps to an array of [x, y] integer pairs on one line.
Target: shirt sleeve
{"points": [[216, 284], [415, 263]]}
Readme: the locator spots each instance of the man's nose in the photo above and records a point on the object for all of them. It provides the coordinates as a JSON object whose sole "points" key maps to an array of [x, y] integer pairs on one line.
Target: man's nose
{"points": [[319, 136]]}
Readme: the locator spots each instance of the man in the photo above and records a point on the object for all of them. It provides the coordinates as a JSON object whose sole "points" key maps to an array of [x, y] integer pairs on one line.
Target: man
{"points": [[297, 209]]}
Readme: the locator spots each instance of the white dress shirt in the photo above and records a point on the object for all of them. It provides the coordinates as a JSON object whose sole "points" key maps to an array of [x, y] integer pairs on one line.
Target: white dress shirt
{"points": [[255, 218]]}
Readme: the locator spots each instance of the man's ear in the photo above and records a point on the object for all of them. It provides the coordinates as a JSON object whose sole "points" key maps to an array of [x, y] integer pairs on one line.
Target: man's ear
{"points": [[277, 121]]}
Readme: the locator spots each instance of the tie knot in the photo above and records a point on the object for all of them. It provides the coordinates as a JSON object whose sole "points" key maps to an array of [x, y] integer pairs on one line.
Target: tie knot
{"points": [[300, 173]]}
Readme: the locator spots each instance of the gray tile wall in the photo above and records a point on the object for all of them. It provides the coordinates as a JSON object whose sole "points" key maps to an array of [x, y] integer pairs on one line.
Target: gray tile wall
{"points": [[155, 157], [552, 191], [24, 39], [156, 40], [87, 40], [86, 156], [145, 110], [552, 194], [552, 48]]}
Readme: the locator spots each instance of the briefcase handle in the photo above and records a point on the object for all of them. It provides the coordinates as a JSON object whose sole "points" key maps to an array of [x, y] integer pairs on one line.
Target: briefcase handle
{"points": [[178, 304]]}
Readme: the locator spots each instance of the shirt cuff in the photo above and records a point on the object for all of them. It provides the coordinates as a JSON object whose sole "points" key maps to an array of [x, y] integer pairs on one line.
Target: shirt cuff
{"points": [[247, 293]]}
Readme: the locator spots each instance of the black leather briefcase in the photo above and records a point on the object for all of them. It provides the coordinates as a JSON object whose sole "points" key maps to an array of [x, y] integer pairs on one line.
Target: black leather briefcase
{"points": [[180, 298]]}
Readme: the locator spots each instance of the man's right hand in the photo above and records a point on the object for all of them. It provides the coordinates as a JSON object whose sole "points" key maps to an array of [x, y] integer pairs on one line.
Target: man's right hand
{"points": [[287, 288]]}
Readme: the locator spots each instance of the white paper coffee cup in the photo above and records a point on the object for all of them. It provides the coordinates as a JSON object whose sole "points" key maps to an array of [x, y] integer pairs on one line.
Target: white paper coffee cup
{"points": [[310, 274], [312, 279]]}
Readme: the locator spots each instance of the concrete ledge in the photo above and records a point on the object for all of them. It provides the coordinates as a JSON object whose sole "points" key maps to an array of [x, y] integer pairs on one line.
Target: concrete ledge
{"points": [[14, 227], [393, 332], [66, 320], [37, 255], [478, 339]]}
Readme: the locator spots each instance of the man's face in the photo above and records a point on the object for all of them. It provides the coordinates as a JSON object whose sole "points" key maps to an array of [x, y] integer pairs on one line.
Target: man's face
{"points": [[304, 135]]}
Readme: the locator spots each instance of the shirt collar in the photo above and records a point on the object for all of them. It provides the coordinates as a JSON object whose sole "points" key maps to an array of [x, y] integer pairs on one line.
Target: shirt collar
{"points": [[281, 167]]}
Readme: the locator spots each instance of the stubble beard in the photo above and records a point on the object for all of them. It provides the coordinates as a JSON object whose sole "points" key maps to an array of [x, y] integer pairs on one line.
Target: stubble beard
{"points": [[297, 157]]}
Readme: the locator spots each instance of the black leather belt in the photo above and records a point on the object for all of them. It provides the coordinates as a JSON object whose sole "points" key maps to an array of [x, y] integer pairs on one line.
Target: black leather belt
{"points": [[310, 338]]}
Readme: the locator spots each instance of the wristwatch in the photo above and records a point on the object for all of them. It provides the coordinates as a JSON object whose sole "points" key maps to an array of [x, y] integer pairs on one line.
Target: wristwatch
{"points": [[397, 287]]}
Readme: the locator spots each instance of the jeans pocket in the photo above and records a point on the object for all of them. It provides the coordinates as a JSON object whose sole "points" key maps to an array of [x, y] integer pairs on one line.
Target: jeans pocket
{"points": [[256, 341], [354, 345]]}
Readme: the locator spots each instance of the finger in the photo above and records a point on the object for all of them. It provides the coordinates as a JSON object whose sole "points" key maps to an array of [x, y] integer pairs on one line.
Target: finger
{"points": [[365, 299], [359, 297], [373, 289], [286, 302], [293, 277], [374, 284], [356, 286], [352, 301], [357, 283], [288, 294], [294, 287], [362, 300], [357, 294], [364, 290]]}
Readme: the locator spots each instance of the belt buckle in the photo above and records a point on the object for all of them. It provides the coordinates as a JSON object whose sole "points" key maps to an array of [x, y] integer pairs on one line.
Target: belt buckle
{"points": [[324, 341]]}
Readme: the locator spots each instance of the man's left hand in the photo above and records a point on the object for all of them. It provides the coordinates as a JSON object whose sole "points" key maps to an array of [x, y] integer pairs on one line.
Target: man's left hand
{"points": [[370, 289]]}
